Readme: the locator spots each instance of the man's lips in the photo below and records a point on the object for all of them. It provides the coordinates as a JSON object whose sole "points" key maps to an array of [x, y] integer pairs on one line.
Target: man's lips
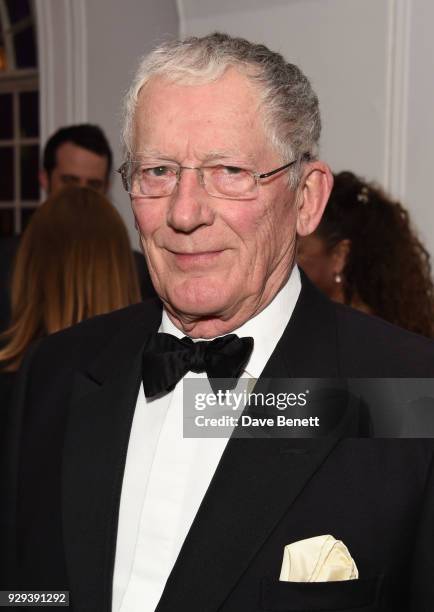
{"points": [[197, 259]]}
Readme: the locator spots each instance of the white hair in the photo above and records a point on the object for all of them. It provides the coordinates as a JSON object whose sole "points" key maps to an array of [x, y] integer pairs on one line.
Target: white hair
{"points": [[290, 106]]}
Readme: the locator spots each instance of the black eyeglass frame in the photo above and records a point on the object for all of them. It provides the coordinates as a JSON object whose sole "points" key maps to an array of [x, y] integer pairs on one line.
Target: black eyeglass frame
{"points": [[258, 176]]}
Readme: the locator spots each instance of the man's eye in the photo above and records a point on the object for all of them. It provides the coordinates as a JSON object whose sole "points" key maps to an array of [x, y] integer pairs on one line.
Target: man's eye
{"points": [[225, 173], [95, 184], [158, 172], [69, 179], [233, 169]]}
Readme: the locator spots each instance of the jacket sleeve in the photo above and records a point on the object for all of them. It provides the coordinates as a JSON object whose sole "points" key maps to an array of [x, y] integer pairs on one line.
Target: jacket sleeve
{"points": [[422, 599]]}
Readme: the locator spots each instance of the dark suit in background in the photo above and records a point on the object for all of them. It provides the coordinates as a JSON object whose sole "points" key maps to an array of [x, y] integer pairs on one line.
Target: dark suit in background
{"points": [[6, 388], [8, 248], [78, 394]]}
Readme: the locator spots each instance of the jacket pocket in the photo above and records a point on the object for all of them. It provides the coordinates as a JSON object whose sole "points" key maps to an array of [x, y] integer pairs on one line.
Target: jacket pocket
{"points": [[342, 596]]}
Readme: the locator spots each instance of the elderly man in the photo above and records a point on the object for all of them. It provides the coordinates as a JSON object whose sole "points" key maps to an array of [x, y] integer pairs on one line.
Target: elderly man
{"points": [[113, 503]]}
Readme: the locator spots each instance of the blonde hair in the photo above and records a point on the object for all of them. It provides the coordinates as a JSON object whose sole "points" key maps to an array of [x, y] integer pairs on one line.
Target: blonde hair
{"points": [[74, 262]]}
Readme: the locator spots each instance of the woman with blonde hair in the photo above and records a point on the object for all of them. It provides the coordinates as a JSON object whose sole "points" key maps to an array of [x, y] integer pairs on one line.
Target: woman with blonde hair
{"points": [[74, 262]]}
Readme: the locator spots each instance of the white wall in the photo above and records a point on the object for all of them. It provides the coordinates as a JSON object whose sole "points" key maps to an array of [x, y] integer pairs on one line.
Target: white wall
{"points": [[371, 63], [419, 167], [118, 33], [88, 52], [325, 38]]}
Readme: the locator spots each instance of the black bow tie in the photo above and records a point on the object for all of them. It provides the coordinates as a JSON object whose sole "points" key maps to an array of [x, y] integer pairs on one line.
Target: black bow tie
{"points": [[166, 359]]}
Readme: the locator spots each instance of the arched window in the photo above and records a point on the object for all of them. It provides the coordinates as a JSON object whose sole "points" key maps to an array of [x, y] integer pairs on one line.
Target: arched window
{"points": [[19, 115]]}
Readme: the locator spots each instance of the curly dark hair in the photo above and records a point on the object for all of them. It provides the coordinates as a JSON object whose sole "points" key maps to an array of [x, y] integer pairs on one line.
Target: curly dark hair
{"points": [[387, 267]]}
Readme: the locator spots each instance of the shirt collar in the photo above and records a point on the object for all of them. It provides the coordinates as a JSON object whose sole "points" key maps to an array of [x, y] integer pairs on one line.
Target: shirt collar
{"points": [[266, 328]]}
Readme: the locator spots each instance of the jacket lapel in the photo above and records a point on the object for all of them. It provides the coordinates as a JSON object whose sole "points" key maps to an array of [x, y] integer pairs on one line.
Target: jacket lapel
{"points": [[253, 487], [308, 347], [231, 526], [95, 449]]}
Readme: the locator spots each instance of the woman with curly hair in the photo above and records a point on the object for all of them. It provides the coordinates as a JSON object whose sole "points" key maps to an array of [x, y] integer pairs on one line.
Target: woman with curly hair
{"points": [[366, 254]]}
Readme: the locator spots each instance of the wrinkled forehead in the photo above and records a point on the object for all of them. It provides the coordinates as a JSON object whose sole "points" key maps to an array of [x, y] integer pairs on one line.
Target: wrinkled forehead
{"points": [[226, 111]]}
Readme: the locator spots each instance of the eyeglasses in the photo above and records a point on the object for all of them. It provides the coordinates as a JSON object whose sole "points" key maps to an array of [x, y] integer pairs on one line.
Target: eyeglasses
{"points": [[160, 180]]}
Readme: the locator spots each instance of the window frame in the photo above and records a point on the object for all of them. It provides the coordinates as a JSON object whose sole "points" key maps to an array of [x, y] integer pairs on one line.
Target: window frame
{"points": [[15, 81]]}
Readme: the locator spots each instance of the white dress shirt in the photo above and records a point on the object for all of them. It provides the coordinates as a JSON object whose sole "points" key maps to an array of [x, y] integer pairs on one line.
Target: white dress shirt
{"points": [[166, 476]]}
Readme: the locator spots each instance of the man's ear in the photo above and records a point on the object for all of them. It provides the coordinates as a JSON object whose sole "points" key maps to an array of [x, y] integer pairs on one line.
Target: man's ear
{"points": [[44, 180], [313, 194]]}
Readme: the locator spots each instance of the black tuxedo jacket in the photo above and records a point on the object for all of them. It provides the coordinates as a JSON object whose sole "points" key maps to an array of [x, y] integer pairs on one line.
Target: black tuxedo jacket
{"points": [[77, 397], [8, 248]]}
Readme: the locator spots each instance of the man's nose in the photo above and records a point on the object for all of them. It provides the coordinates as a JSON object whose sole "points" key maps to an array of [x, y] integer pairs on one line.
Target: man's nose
{"points": [[190, 204]]}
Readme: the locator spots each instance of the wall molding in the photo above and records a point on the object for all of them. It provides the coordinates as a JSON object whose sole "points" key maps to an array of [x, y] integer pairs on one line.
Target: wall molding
{"points": [[181, 18], [79, 60], [62, 49], [76, 60], [44, 27], [397, 79]]}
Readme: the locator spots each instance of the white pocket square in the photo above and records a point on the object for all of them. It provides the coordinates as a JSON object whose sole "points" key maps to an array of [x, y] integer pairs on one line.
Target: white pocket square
{"points": [[319, 559]]}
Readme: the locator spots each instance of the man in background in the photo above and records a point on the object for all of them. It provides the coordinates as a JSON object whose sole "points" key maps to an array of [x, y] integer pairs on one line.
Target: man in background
{"points": [[74, 155]]}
